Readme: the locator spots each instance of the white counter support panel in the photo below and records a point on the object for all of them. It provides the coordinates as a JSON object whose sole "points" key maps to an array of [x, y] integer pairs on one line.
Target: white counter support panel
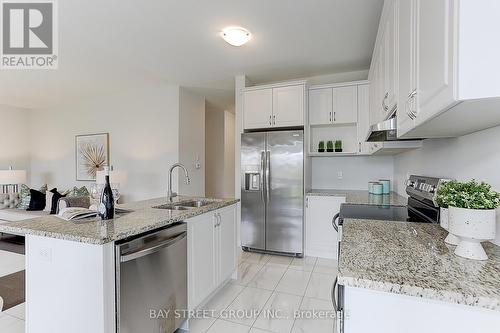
{"points": [[70, 286]]}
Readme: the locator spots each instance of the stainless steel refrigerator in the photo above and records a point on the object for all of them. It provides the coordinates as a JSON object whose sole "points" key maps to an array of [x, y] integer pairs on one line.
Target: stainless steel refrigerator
{"points": [[272, 191]]}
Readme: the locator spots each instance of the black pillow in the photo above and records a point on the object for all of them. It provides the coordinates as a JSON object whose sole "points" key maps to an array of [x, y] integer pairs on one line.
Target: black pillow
{"points": [[55, 200], [37, 201]]}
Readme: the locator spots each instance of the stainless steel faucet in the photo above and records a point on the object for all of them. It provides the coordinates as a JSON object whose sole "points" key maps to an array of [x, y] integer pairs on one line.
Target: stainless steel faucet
{"points": [[171, 195]]}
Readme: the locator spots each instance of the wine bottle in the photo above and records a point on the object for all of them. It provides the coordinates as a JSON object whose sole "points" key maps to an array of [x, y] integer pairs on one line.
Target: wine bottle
{"points": [[107, 203]]}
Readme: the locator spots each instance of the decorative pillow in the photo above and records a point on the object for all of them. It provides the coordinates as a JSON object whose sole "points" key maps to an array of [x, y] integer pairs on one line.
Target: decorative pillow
{"points": [[37, 201], [66, 202], [48, 199], [55, 200], [25, 196], [9, 200], [79, 192]]}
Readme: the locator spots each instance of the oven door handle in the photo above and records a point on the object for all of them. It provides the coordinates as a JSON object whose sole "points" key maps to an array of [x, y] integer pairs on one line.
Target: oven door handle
{"points": [[334, 224], [334, 301]]}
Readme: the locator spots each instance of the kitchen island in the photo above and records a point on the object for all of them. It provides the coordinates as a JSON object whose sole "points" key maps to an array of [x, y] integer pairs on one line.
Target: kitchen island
{"points": [[399, 275], [71, 280]]}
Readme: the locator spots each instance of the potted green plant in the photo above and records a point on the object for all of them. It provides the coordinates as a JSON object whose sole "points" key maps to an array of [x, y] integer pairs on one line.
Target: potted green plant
{"points": [[444, 214], [338, 146], [472, 215], [329, 146], [321, 147]]}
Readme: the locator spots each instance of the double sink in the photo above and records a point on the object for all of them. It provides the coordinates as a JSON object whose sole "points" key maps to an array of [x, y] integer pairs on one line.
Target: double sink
{"points": [[185, 205]]}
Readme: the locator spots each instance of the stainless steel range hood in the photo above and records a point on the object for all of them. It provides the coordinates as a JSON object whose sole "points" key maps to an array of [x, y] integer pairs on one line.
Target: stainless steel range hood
{"points": [[386, 130]]}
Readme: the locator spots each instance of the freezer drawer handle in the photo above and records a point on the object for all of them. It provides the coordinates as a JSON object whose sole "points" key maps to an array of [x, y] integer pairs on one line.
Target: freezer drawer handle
{"points": [[152, 249]]}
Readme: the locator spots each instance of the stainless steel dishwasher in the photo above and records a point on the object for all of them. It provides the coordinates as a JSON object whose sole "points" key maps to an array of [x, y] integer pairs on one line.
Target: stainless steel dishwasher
{"points": [[151, 281]]}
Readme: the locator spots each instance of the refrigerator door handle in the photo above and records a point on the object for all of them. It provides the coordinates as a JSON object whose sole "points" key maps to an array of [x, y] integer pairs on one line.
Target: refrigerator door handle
{"points": [[262, 175], [268, 175]]}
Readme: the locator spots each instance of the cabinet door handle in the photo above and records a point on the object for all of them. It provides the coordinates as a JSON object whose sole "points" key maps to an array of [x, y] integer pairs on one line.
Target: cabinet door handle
{"points": [[384, 106], [274, 120], [334, 116], [270, 120], [360, 147]]}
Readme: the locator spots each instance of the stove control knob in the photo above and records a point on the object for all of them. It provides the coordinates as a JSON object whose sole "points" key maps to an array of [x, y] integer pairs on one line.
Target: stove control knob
{"points": [[432, 189], [410, 183]]}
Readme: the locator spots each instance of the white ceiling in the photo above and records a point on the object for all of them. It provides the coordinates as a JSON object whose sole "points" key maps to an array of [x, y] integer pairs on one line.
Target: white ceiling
{"points": [[111, 45]]}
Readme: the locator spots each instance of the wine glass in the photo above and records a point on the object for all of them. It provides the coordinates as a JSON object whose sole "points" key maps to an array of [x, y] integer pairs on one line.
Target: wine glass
{"points": [[96, 192], [116, 192]]}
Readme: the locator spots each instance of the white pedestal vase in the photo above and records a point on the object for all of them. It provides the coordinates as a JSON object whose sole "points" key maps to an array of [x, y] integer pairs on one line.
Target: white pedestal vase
{"points": [[444, 222], [472, 226]]}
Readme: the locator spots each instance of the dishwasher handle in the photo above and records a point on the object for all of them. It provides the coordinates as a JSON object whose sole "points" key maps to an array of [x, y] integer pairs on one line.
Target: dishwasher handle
{"points": [[153, 249]]}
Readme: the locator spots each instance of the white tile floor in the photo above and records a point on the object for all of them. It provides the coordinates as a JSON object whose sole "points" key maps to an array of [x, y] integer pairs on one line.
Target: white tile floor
{"points": [[264, 283], [268, 282]]}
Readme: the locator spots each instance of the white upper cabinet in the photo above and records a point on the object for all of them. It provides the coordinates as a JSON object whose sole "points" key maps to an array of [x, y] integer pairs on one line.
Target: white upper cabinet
{"points": [[447, 67], [345, 104], [390, 62], [434, 36], [383, 72], [333, 105], [288, 106], [273, 106], [407, 80], [320, 106], [258, 108]]}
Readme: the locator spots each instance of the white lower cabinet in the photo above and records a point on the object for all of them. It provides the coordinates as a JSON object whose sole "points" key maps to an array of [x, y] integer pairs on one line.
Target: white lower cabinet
{"points": [[211, 252], [381, 312], [321, 238]]}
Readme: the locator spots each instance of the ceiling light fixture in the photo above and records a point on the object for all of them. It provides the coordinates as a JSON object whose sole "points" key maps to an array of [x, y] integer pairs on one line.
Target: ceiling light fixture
{"points": [[236, 36]]}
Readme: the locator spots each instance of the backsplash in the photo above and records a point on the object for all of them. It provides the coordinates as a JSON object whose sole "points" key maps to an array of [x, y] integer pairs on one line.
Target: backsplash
{"points": [[356, 172], [471, 156]]}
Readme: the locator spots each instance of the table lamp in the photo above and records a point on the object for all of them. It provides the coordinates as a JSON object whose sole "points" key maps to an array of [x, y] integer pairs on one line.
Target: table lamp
{"points": [[10, 179]]}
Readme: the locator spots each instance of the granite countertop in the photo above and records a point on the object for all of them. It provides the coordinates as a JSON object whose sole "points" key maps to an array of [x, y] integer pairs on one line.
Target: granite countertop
{"points": [[362, 197], [142, 218], [412, 259]]}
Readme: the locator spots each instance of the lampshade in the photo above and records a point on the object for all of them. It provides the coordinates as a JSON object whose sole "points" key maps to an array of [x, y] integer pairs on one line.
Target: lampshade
{"points": [[12, 177], [115, 177]]}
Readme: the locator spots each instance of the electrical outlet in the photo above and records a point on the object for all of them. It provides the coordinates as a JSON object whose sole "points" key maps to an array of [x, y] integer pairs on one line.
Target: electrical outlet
{"points": [[340, 175], [46, 254]]}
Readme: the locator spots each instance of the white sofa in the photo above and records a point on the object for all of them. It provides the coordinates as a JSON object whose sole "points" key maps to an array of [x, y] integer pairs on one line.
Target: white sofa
{"points": [[14, 214]]}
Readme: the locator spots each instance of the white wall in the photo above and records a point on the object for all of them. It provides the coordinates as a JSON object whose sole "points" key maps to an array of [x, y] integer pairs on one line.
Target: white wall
{"points": [[192, 142], [220, 160], [229, 146], [214, 143], [475, 155], [356, 171], [15, 135], [143, 127]]}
